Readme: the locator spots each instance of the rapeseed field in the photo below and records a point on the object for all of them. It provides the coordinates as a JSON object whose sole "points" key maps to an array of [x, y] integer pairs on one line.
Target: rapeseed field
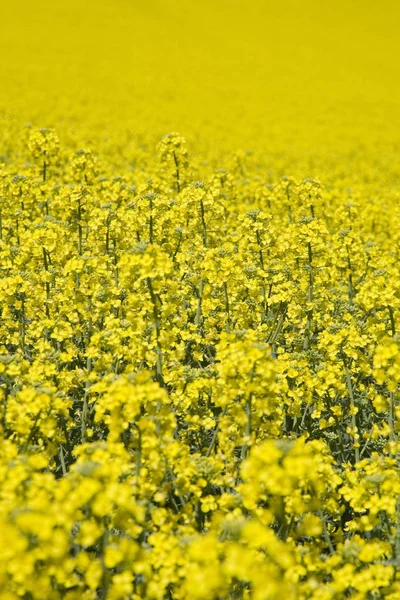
{"points": [[200, 300]]}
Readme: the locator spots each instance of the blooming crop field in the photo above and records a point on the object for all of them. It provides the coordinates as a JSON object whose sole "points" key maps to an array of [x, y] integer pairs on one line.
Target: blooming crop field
{"points": [[200, 331]]}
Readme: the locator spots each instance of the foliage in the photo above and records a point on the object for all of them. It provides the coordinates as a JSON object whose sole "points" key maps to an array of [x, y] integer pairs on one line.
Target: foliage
{"points": [[199, 382]]}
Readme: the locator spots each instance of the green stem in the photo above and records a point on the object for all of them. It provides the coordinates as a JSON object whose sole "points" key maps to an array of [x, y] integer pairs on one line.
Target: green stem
{"points": [[352, 403], [178, 185], [351, 287], [151, 225], [203, 223], [87, 384], [139, 451], [245, 447], [63, 466], [227, 308], [215, 434], [156, 318], [307, 337], [46, 266], [199, 302], [261, 258], [391, 415], [392, 321]]}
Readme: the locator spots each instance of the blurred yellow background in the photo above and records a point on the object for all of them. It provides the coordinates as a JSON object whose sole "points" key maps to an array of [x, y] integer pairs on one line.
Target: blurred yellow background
{"points": [[292, 76]]}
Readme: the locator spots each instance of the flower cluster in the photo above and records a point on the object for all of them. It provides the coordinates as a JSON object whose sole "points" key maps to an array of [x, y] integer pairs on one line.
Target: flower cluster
{"points": [[199, 379]]}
